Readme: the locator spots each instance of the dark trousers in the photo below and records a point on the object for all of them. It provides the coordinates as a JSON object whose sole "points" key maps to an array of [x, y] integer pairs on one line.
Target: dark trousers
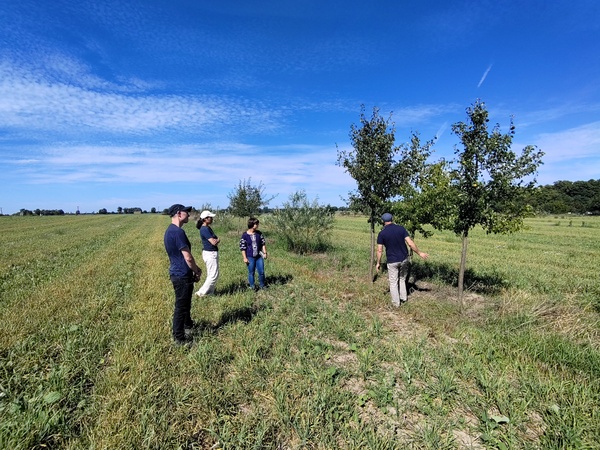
{"points": [[182, 319]]}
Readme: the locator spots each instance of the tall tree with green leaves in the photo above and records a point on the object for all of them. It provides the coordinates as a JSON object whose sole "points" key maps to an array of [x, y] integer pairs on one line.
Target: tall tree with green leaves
{"points": [[246, 200], [373, 166], [424, 189], [490, 180]]}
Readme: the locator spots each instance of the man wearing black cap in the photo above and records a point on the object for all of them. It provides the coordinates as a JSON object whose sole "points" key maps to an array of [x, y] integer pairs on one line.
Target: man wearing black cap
{"points": [[395, 238], [183, 271]]}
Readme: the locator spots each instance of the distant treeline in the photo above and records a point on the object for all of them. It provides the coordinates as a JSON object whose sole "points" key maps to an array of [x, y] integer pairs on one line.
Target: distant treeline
{"points": [[562, 197], [40, 212]]}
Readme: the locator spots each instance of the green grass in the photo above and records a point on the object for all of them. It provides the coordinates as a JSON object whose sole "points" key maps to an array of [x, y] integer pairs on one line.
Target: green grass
{"points": [[320, 360]]}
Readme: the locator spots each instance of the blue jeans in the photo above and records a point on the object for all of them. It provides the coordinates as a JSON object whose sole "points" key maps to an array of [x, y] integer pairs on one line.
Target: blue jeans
{"points": [[182, 319], [257, 264]]}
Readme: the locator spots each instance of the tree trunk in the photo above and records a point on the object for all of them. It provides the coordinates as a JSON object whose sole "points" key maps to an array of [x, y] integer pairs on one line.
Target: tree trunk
{"points": [[372, 252], [461, 271]]}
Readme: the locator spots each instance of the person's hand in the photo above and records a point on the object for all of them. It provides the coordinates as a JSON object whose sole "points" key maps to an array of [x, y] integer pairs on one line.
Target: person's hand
{"points": [[377, 266], [197, 276], [424, 255], [246, 261]]}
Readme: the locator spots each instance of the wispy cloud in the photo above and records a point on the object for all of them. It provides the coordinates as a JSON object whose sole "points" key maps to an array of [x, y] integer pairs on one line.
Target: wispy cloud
{"points": [[485, 74], [222, 163], [38, 102], [575, 143]]}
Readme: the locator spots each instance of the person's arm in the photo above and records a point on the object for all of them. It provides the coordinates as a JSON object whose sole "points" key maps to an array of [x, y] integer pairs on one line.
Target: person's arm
{"points": [[214, 240], [379, 253], [209, 235], [243, 246], [414, 248], [264, 246], [191, 262]]}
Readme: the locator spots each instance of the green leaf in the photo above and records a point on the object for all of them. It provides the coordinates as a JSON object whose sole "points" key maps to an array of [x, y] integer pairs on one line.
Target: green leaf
{"points": [[52, 397], [500, 419]]}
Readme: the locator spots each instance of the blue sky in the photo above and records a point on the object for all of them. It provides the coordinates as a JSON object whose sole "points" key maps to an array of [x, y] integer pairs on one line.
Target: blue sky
{"points": [[148, 103]]}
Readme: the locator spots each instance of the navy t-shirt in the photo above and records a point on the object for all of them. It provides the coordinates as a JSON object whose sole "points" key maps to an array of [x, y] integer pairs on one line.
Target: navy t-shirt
{"points": [[392, 238], [206, 233], [175, 241]]}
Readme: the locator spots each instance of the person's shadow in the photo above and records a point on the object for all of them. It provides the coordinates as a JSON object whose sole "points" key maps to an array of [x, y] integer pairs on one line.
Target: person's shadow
{"points": [[242, 285]]}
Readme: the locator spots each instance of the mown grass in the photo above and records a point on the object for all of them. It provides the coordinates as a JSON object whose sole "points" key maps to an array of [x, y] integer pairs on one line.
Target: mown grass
{"points": [[319, 360]]}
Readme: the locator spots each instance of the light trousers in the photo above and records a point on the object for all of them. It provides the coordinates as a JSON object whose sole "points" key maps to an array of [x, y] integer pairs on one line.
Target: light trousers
{"points": [[211, 259], [397, 273]]}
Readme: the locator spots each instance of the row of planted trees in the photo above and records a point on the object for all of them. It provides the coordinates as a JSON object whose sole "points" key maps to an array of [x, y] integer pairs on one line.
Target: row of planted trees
{"points": [[486, 184]]}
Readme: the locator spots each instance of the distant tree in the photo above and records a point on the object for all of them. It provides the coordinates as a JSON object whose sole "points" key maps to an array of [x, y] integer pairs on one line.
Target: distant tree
{"points": [[488, 179], [119, 210], [102, 211], [153, 210], [372, 165], [246, 200]]}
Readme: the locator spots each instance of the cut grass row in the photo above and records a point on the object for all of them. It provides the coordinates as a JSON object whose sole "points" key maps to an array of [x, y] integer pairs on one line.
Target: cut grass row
{"points": [[320, 360]]}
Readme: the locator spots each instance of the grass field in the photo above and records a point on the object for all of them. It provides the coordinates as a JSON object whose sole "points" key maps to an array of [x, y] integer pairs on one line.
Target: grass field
{"points": [[320, 360]]}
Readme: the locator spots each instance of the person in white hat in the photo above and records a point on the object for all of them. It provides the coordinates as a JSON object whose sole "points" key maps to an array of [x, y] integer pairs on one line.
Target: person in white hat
{"points": [[210, 253]]}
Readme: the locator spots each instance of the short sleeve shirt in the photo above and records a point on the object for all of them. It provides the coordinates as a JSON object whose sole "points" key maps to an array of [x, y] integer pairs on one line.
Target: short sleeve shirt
{"points": [[392, 237], [205, 234], [176, 240]]}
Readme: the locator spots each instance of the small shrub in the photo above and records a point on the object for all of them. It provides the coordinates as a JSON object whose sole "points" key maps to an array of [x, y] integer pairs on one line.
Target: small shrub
{"points": [[304, 226]]}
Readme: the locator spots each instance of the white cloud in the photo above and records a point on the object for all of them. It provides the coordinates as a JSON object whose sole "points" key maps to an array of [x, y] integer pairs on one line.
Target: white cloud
{"points": [[30, 101], [574, 143]]}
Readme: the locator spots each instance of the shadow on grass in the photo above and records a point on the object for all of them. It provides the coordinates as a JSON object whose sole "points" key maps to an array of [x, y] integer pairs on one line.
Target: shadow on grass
{"points": [[488, 283], [244, 314], [241, 286], [481, 283]]}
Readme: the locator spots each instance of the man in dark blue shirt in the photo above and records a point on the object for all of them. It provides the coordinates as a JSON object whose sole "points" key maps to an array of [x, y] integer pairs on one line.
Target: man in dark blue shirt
{"points": [[183, 271], [395, 238]]}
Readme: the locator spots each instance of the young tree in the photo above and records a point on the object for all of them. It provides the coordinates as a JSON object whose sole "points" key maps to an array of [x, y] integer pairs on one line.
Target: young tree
{"points": [[424, 189], [373, 167], [246, 200], [489, 180]]}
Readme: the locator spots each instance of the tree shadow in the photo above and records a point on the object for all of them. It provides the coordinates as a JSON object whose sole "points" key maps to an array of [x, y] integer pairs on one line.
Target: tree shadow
{"points": [[481, 283]]}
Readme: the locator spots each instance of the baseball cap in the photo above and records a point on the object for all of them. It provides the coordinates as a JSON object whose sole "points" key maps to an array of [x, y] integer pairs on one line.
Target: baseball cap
{"points": [[387, 217], [174, 209], [204, 214]]}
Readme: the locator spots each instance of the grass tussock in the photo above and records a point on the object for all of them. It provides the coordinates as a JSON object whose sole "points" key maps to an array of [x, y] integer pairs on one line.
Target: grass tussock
{"points": [[319, 360]]}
